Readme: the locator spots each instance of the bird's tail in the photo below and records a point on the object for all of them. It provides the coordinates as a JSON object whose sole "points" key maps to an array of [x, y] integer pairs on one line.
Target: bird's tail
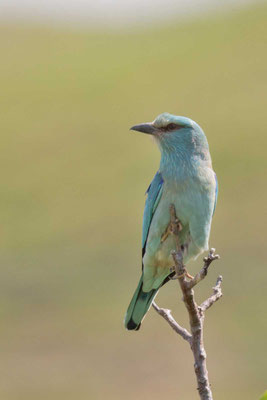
{"points": [[138, 306]]}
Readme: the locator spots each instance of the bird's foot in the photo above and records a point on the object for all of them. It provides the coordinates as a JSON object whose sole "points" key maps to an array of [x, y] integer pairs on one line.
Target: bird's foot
{"points": [[188, 275], [184, 274], [173, 278]]}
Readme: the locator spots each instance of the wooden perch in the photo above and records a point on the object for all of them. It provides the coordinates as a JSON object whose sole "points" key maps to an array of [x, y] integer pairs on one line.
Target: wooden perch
{"points": [[195, 312]]}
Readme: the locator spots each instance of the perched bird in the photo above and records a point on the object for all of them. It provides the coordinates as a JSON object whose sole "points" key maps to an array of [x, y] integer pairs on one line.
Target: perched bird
{"points": [[185, 179]]}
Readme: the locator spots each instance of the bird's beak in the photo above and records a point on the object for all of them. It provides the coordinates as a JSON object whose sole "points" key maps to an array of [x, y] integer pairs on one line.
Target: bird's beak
{"points": [[145, 128]]}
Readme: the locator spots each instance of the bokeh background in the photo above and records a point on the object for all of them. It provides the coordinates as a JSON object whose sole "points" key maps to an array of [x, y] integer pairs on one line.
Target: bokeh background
{"points": [[72, 194]]}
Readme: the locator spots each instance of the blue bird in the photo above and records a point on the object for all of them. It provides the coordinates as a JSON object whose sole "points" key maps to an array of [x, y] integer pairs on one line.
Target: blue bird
{"points": [[185, 179]]}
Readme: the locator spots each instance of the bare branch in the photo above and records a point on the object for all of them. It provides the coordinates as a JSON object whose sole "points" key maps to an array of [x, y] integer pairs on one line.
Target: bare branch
{"points": [[217, 294], [195, 312], [196, 327], [166, 314], [204, 270], [179, 267]]}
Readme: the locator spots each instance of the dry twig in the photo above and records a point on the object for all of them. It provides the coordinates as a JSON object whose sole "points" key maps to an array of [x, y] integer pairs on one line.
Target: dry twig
{"points": [[195, 312]]}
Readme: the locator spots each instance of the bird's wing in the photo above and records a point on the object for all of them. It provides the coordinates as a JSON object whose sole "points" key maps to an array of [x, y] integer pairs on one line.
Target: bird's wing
{"points": [[154, 193], [216, 192]]}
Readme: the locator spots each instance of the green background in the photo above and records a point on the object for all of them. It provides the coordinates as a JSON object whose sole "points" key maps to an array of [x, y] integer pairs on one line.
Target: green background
{"points": [[72, 194]]}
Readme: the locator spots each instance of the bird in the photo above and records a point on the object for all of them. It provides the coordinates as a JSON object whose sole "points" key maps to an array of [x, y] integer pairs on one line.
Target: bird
{"points": [[186, 180]]}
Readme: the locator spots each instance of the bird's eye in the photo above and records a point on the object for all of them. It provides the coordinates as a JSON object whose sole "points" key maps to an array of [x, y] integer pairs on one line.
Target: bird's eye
{"points": [[170, 127]]}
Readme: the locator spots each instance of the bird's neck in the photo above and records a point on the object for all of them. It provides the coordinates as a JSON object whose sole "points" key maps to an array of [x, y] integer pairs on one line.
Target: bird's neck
{"points": [[174, 166], [180, 166]]}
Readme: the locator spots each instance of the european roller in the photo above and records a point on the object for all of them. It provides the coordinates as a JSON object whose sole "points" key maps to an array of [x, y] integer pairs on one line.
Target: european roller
{"points": [[185, 179]]}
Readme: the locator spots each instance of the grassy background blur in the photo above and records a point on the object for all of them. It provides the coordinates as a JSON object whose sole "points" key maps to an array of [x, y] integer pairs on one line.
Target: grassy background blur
{"points": [[72, 185]]}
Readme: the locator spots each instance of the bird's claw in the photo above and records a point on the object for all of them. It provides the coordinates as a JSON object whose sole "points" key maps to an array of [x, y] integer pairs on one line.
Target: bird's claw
{"points": [[184, 274], [188, 275]]}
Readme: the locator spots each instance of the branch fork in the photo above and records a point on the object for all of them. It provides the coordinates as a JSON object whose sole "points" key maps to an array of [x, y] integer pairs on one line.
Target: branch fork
{"points": [[196, 312]]}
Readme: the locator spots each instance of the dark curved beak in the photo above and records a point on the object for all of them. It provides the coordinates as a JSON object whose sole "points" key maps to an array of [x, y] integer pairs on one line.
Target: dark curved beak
{"points": [[145, 128]]}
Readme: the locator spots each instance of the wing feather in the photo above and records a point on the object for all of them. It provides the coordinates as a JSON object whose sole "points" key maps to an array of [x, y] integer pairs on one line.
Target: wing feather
{"points": [[154, 193]]}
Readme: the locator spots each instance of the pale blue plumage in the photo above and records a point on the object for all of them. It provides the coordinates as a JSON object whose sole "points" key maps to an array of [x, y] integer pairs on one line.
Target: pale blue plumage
{"points": [[216, 193], [185, 179]]}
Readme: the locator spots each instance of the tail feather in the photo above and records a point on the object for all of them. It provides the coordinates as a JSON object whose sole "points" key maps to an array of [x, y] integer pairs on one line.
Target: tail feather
{"points": [[139, 305]]}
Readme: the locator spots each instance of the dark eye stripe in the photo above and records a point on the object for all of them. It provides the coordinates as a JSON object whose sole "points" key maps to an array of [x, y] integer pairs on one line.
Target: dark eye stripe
{"points": [[172, 127]]}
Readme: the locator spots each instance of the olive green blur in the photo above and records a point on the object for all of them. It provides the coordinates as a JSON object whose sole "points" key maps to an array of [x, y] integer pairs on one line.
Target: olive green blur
{"points": [[73, 179]]}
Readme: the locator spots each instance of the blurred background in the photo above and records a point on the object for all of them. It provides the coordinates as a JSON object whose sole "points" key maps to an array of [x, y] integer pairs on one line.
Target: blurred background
{"points": [[74, 77]]}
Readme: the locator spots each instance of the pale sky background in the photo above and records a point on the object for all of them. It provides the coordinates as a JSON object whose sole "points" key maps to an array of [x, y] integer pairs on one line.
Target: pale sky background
{"points": [[111, 12]]}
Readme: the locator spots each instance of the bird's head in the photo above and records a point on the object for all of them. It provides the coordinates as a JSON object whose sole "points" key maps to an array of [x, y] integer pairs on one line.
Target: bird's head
{"points": [[175, 133]]}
